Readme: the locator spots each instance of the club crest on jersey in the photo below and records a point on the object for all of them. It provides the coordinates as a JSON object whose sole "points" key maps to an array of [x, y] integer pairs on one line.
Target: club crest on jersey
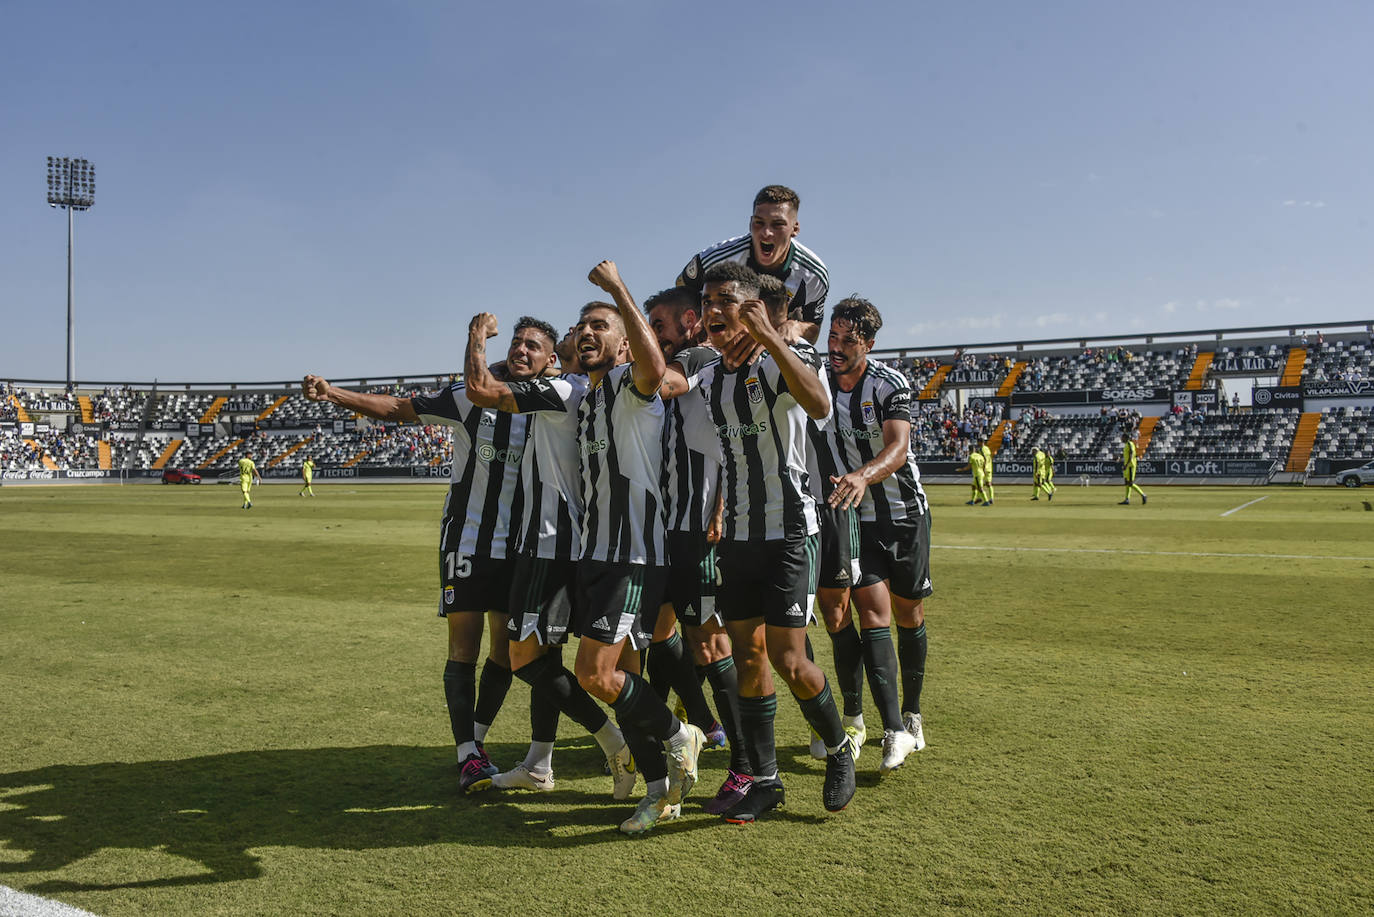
{"points": [[870, 415], [601, 395], [691, 272], [448, 595], [754, 389]]}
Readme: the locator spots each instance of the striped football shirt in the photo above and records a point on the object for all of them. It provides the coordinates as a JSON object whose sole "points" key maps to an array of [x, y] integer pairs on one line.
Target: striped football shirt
{"points": [[802, 273]]}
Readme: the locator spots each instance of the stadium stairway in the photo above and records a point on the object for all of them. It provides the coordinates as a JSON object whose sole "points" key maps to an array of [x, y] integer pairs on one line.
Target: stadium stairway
{"points": [[1145, 434], [19, 413], [220, 454], [273, 406], [1009, 385], [47, 460], [1200, 366], [1303, 439], [437, 460], [161, 461], [105, 457], [995, 440], [87, 412], [213, 410], [1292, 369], [932, 389], [355, 459], [275, 461]]}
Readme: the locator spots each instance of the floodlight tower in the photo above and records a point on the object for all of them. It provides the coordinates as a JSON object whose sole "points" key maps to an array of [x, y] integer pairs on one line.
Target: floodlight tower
{"points": [[71, 186]]}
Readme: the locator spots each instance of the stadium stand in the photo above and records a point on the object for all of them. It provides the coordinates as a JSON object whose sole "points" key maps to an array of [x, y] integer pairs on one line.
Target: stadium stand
{"points": [[1010, 393], [1345, 432]]}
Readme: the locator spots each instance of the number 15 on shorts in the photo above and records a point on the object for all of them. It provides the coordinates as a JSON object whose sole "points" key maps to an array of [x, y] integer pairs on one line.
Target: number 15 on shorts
{"points": [[457, 566]]}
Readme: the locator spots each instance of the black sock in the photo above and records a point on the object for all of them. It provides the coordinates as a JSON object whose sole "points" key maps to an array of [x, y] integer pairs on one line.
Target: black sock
{"points": [[724, 678], [687, 683], [880, 660], [661, 664], [756, 715], [849, 668], [460, 683], [638, 706], [559, 689], [646, 723], [824, 717], [491, 692], [911, 650]]}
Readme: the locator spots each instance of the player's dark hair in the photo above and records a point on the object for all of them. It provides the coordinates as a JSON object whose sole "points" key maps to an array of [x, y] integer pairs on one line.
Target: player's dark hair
{"points": [[594, 305], [734, 272], [542, 327], [679, 299], [861, 314], [778, 194], [774, 296]]}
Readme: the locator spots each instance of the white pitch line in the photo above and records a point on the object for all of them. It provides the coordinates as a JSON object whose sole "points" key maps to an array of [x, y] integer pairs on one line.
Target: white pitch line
{"points": [[1242, 506], [976, 547]]}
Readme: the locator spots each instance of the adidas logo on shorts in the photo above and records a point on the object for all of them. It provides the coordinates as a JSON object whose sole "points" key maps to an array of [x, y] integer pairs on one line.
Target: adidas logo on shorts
{"points": [[601, 623], [795, 611]]}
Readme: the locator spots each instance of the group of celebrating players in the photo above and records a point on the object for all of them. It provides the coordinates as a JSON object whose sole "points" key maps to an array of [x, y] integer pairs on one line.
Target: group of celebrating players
{"points": [[693, 463]]}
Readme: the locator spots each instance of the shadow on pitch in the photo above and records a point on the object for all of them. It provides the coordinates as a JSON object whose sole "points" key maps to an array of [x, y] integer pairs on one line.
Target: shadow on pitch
{"points": [[215, 809]]}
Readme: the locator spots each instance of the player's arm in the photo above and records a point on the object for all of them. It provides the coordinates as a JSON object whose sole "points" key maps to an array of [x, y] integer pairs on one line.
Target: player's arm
{"points": [[794, 331], [483, 388], [648, 361], [849, 488], [802, 381], [715, 529], [675, 383], [378, 407]]}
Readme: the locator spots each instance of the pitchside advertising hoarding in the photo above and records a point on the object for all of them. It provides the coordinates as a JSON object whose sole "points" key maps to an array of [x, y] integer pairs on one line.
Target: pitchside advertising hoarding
{"points": [[1124, 395]]}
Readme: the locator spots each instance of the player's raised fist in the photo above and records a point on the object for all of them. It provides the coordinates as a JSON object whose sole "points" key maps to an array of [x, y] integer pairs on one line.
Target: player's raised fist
{"points": [[484, 323], [754, 316], [314, 388], [606, 276]]}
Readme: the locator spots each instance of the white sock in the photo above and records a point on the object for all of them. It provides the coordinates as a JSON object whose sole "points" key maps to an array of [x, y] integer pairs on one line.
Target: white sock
{"points": [[466, 750], [609, 738], [657, 787], [480, 730], [679, 738], [539, 759], [856, 721]]}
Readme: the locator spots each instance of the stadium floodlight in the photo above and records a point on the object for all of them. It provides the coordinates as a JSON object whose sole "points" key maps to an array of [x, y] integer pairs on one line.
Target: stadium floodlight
{"points": [[71, 186]]}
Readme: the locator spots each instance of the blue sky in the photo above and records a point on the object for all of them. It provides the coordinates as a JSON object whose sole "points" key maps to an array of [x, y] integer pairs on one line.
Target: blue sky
{"points": [[338, 187]]}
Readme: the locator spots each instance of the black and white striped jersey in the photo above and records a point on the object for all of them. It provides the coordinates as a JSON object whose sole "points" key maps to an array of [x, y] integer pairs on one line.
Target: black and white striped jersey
{"points": [[802, 273], [852, 436], [551, 522], [484, 489], [620, 435], [762, 433], [691, 451]]}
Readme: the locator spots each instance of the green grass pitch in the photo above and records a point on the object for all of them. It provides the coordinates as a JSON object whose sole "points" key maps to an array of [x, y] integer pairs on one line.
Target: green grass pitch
{"points": [[1157, 709]]}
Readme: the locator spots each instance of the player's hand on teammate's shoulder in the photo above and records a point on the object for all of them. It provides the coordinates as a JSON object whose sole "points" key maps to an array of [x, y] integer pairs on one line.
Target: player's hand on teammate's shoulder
{"points": [[485, 325], [606, 276], [314, 388]]}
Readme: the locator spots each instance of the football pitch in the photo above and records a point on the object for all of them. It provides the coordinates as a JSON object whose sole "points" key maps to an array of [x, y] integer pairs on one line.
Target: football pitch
{"points": [[1145, 709]]}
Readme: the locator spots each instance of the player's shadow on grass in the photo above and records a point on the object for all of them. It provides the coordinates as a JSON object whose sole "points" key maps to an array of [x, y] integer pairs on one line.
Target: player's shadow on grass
{"points": [[215, 809]]}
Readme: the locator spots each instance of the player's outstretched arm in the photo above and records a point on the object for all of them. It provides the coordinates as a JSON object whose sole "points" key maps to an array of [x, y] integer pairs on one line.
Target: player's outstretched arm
{"points": [[802, 381], [483, 388], [649, 363], [849, 488], [378, 407]]}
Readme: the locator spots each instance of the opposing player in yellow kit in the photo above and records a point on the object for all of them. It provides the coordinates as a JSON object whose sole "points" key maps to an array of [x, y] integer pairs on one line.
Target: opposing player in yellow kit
{"points": [[308, 475], [248, 473], [987, 468], [1042, 468], [1128, 457], [976, 463]]}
